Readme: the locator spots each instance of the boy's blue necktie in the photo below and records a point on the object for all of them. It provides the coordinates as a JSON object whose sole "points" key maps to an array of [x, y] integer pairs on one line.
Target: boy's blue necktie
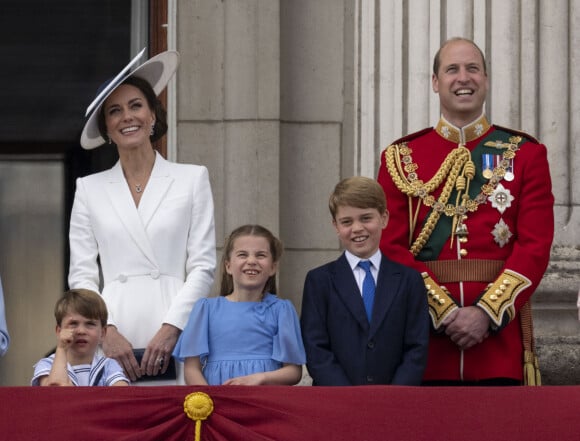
{"points": [[368, 288]]}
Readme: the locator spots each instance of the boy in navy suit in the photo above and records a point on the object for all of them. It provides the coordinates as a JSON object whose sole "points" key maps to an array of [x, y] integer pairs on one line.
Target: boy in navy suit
{"points": [[363, 327]]}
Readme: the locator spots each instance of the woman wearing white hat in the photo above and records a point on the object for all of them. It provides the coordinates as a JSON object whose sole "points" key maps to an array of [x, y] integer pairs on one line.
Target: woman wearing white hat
{"points": [[149, 223]]}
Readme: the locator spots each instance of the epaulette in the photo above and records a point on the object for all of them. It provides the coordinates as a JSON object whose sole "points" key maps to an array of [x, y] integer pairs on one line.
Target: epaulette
{"points": [[517, 133], [412, 136]]}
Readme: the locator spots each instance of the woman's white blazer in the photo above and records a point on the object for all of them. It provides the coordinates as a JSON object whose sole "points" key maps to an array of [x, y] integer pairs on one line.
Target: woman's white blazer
{"points": [[156, 259]]}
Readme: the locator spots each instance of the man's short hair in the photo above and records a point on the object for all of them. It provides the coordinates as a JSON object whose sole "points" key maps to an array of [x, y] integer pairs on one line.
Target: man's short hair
{"points": [[437, 58]]}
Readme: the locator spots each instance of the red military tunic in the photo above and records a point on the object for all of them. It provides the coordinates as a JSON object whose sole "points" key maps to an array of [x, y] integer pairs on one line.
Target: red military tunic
{"points": [[502, 222]]}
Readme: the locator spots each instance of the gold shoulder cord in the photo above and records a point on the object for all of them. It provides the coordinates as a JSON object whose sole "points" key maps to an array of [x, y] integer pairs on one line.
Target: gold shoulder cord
{"points": [[457, 169], [413, 187]]}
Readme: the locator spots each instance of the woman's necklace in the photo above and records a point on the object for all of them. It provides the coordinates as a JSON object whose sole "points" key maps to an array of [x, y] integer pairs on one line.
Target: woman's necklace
{"points": [[138, 187], [137, 173]]}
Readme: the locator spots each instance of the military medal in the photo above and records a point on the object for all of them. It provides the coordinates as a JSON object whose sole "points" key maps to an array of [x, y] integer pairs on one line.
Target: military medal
{"points": [[487, 165], [509, 171]]}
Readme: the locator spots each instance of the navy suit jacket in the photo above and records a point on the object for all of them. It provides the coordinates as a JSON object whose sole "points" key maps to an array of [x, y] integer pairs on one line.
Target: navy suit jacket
{"points": [[342, 348]]}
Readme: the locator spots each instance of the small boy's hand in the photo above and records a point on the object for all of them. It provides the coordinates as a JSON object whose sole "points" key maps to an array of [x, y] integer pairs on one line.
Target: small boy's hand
{"points": [[65, 338]]}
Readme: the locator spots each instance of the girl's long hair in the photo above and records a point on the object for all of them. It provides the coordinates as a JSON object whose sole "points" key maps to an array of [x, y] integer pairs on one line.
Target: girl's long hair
{"points": [[276, 249]]}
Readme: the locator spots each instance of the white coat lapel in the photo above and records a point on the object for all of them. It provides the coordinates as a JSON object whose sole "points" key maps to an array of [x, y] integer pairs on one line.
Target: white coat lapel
{"points": [[157, 187], [123, 204]]}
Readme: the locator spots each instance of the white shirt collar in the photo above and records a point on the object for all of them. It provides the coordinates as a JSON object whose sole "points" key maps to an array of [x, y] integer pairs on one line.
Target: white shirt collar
{"points": [[353, 260]]}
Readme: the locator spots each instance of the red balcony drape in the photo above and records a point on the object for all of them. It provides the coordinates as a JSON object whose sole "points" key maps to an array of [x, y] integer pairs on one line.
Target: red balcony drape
{"points": [[292, 413]]}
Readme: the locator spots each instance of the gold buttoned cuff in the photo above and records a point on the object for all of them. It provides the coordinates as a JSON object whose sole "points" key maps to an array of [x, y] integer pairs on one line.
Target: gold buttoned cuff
{"points": [[440, 301], [499, 298]]}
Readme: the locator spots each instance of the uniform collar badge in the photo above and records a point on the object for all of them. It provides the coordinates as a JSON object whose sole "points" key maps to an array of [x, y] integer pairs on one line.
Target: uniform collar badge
{"points": [[462, 135]]}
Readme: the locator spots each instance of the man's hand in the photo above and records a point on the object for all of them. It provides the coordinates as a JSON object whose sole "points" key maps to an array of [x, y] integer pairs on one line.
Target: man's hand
{"points": [[467, 326]]}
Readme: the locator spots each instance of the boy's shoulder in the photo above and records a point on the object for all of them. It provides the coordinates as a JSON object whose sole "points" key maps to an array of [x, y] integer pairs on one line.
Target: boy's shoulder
{"points": [[48, 360], [330, 265], [400, 266]]}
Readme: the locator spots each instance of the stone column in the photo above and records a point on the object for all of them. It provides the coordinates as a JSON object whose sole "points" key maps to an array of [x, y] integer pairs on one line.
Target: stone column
{"points": [[228, 98], [311, 91]]}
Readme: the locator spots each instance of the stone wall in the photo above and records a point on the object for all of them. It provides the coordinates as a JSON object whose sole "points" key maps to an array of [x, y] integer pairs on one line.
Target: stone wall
{"points": [[556, 324]]}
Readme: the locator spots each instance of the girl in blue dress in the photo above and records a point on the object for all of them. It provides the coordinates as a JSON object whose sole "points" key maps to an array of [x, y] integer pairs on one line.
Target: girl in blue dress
{"points": [[247, 335]]}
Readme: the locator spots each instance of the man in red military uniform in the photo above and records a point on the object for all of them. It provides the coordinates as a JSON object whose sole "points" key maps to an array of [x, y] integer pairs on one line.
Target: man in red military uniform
{"points": [[472, 209]]}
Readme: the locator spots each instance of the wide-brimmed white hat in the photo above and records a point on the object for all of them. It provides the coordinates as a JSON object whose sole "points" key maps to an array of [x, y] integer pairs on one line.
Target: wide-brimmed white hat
{"points": [[158, 70]]}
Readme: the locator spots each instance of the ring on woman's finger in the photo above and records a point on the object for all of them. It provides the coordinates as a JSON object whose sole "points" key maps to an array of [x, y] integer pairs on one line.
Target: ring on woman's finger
{"points": [[160, 361]]}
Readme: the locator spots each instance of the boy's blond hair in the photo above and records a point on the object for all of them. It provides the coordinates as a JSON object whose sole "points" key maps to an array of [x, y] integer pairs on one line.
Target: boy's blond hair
{"points": [[358, 192], [85, 302]]}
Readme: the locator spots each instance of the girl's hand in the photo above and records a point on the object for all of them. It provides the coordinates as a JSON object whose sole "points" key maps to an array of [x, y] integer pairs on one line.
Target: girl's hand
{"points": [[247, 380], [288, 374]]}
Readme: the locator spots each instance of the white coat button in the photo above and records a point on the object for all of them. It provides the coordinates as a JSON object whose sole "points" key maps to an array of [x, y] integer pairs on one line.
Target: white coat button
{"points": [[155, 274], [122, 278]]}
